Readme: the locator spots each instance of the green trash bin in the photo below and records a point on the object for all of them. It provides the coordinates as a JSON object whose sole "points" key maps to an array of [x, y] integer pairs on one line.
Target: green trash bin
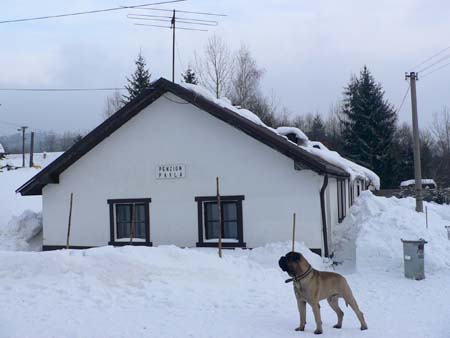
{"points": [[413, 256]]}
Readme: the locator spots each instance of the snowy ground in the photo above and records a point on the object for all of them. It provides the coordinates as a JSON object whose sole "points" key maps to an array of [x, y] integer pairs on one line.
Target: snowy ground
{"points": [[172, 292]]}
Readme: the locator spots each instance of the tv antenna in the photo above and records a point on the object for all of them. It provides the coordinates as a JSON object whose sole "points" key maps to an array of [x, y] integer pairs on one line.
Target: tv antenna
{"points": [[199, 23]]}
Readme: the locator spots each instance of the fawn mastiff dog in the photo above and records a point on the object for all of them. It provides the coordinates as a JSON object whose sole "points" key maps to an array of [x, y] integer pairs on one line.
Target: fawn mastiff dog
{"points": [[311, 286]]}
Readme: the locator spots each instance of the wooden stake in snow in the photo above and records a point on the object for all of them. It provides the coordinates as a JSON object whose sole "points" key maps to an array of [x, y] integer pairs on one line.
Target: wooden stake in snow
{"points": [[293, 232], [426, 215], [70, 219], [132, 223], [219, 211]]}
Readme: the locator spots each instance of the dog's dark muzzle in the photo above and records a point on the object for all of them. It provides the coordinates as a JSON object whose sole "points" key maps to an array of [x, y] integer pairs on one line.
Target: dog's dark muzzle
{"points": [[283, 263]]}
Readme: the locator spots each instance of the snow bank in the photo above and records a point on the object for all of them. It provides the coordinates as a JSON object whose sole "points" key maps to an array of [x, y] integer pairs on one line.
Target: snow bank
{"points": [[144, 292], [354, 170], [22, 233], [19, 212], [374, 226], [171, 292]]}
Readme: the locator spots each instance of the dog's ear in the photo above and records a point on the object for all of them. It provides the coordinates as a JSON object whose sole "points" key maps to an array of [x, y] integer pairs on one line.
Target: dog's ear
{"points": [[283, 263], [296, 256], [293, 256]]}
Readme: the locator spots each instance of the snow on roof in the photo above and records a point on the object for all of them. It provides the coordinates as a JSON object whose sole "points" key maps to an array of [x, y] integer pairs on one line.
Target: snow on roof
{"points": [[413, 182], [292, 130], [2, 150], [355, 171]]}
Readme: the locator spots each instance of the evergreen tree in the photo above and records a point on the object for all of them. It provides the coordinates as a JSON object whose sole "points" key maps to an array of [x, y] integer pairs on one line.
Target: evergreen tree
{"points": [[189, 76], [403, 153], [317, 131], [139, 81], [369, 123]]}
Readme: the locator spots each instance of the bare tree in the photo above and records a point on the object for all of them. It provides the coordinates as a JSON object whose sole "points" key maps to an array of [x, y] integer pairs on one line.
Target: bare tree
{"points": [[112, 104], [246, 78], [215, 67], [441, 133], [441, 130]]}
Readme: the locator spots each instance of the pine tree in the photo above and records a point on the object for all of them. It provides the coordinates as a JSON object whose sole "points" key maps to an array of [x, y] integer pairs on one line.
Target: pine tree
{"points": [[139, 81], [189, 76], [317, 131], [369, 123]]}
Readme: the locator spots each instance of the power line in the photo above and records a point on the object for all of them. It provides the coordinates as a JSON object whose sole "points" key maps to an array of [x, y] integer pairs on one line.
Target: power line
{"points": [[90, 12], [60, 89], [435, 70], [169, 10], [434, 63], [179, 57], [403, 100], [431, 58], [16, 125], [10, 123]]}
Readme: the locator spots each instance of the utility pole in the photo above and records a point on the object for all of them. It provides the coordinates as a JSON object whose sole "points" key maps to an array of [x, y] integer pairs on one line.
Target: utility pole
{"points": [[172, 25], [412, 76], [31, 149], [22, 129]]}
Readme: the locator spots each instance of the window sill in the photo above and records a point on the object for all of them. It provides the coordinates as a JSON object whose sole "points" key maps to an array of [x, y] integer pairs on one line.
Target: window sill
{"points": [[224, 245], [119, 243]]}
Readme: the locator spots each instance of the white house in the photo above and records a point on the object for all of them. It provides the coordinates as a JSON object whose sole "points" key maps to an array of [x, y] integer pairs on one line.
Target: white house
{"points": [[152, 167]]}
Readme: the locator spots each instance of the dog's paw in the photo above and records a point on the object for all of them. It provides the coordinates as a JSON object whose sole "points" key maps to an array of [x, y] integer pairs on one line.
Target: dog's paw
{"points": [[318, 331], [337, 326], [364, 327], [300, 328]]}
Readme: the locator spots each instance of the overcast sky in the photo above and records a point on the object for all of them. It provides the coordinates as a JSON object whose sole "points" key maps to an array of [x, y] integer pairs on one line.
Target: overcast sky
{"points": [[309, 50]]}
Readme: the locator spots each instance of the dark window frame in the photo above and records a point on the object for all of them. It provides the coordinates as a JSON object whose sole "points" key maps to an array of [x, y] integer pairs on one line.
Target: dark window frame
{"points": [[341, 200], [113, 223], [201, 220]]}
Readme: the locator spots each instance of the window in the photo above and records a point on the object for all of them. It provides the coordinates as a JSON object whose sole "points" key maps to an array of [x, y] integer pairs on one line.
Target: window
{"points": [[341, 200], [208, 221], [129, 218], [126, 223]]}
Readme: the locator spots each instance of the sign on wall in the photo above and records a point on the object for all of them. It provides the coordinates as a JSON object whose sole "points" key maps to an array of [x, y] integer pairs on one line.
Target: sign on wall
{"points": [[167, 171]]}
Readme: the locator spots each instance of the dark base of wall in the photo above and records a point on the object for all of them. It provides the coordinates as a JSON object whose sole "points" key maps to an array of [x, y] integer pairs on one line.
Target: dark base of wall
{"points": [[59, 247], [199, 245], [224, 245], [128, 243]]}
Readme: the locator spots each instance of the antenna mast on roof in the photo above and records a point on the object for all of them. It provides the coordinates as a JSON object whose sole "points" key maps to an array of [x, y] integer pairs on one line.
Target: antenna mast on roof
{"points": [[173, 19]]}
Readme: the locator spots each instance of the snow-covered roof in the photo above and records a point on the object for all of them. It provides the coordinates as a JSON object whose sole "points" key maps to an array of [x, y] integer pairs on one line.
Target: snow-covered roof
{"points": [[2, 150], [413, 182], [319, 160], [317, 149]]}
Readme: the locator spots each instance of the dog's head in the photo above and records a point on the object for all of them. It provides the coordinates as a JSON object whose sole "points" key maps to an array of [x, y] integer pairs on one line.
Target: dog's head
{"points": [[292, 263]]}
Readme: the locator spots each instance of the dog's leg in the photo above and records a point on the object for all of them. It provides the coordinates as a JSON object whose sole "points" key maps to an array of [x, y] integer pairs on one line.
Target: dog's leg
{"points": [[350, 300], [302, 309], [316, 311], [334, 303], [301, 304]]}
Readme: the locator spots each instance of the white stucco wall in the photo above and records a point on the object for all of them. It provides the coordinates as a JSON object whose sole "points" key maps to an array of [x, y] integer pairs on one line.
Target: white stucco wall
{"points": [[124, 164]]}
